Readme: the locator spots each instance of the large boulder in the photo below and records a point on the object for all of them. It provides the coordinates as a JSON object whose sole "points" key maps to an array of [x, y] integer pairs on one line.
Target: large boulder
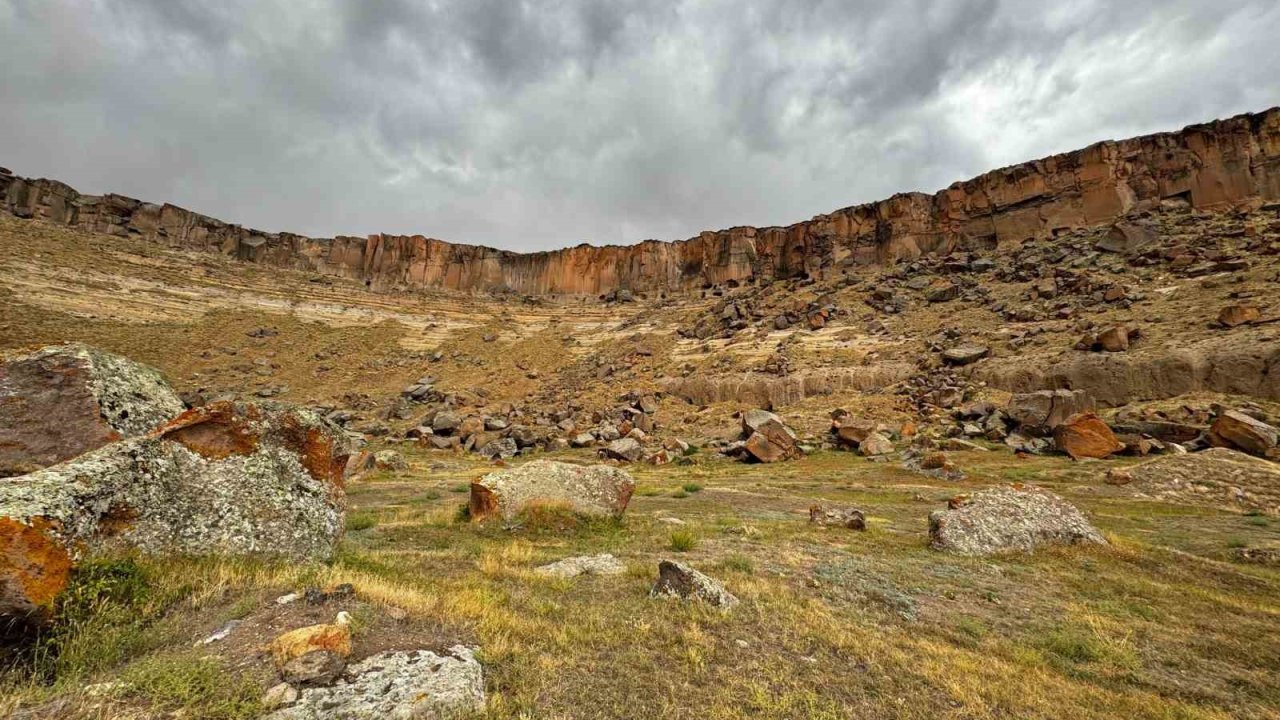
{"points": [[1085, 435], [768, 439], [227, 479], [64, 400], [600, 490], [414, 684], [1234, 429], [1042, 411], [1009, 519]]}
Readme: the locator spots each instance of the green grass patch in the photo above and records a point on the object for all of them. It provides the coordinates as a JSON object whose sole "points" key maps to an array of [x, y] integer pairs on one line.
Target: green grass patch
{"points": [[361, 521], [683, 541]]}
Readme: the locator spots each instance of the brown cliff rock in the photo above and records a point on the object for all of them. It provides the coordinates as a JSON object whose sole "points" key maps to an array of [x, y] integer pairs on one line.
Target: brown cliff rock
{"points": [[1214, 166]]}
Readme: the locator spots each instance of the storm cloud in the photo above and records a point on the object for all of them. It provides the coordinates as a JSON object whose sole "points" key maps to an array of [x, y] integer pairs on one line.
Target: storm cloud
{"points": [[534, 125]]}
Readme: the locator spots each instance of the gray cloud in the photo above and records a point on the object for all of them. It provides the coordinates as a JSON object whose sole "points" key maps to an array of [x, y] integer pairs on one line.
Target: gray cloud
{"points": [[532, 125]]}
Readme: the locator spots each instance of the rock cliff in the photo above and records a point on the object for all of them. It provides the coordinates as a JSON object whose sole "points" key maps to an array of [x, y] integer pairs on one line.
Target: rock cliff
{"points": [[1222, 165]]}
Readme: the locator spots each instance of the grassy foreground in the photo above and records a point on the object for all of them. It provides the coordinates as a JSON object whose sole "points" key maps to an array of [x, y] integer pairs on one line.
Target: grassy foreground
{"points": [[833, 624]]}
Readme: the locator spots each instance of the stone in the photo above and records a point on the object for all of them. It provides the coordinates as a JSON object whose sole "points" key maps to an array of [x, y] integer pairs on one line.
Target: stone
{"points": [[397, 684], [334, 637], [318, 667], [1115, 339], [1234, 429], [1085, 435], [499, 449], [61, 401], [1009, 519], [599, 490], [1216, 477], [1235, 315], [965, 354], [390, 460], [627, 449], [753, 419], [1118, 476], [445, 422], [582, 440], [1126, 238], [222, 479], [278, 696], [677, 580], [605, 564], [875, 444], [772, 442], [1042, 411], [851, 518]]}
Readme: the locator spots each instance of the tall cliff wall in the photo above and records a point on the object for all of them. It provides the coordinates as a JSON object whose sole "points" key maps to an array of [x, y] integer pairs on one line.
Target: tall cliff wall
{"points": [[1216, 166]]}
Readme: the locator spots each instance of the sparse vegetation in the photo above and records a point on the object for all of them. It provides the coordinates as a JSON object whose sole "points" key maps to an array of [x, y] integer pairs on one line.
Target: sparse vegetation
{"points": [[683, 541]]}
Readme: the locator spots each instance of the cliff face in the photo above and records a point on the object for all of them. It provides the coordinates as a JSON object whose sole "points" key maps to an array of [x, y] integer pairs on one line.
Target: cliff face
{"points": [[1217, 166]]}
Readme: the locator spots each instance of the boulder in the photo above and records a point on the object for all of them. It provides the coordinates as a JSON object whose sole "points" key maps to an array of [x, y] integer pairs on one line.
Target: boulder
{"points": [[875, 444], [1009, 519], [605, 564], [676, 580], [319, 667], [390, 460], [753, 419], [1042, 411], [445, 422], [499, 449], [334, 637], [965, 354], [1234, 429], [1126, 238], [414, 684], [1234, 315], [627, 449], [1114, 339], [599, 490], [772, 442], [851, 518], [227, 479], [61, 401], [582, 440], [1085, 435]]}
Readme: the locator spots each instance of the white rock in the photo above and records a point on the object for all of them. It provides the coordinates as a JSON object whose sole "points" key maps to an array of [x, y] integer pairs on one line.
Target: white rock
{"points": [[605, 564]]}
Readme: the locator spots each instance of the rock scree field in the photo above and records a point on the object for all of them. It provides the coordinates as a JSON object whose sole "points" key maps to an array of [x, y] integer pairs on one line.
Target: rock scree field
{"points": [[1009, 450]]}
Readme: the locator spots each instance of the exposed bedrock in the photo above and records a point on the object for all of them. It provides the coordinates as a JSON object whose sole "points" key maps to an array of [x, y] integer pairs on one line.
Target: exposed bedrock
{"points": [[1225, 366], [1220, 165]]}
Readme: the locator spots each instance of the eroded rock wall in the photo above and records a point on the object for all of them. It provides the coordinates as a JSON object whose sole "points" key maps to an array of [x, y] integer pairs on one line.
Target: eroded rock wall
{"points": [[1216, 166]]}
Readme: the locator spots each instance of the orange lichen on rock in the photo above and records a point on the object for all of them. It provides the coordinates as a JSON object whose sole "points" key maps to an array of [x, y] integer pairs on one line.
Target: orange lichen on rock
{"points": [[215, 431], [331, 637], [34, 566]]}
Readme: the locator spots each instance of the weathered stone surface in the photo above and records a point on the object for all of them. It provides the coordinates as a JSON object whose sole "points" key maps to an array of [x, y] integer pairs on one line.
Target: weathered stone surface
{"points": [[395, 685], [875, 444], [605, 564], [334, 637], [1009, 519], [627, 449], [1234, 315], [586, 489], [1042, 411], [851, 518], [223, 478], [965, 354], [1126, 238], [64, 400], [1214, 166], [1218, 477], [1085, 435], [499, 449], [677, 580], [390, 460], [1114, 339], [1234, 429], [318, 667]]}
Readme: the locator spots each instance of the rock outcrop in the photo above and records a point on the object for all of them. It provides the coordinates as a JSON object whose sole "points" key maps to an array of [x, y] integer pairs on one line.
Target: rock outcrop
{"points": [[1215, 166], [677, 580], [585, 489], [223, 478], [61, 401], [1009, 519]]}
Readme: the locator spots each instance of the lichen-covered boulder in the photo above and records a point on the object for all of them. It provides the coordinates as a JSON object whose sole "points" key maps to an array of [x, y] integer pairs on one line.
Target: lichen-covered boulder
{"points": [[230, 479], [586, 489], [61, 401], [1009, 519], [605, 564], [393, 685], [677, 580]]}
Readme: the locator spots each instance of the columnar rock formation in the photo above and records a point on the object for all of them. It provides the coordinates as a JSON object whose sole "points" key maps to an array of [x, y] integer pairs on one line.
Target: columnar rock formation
{"points": [[1216, 166]]}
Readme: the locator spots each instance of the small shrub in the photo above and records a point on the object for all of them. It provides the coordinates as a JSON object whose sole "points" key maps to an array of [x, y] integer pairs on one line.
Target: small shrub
{"points": [[680, 494], [360, 521], [648, 491], [463, 513], [739, 563], [1074, 645], [683, 541], [460, 488], [692, 487]]}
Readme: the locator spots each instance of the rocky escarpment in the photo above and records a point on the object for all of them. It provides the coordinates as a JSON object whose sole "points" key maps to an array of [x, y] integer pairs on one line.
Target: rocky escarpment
{"points": [[1221, 165]]}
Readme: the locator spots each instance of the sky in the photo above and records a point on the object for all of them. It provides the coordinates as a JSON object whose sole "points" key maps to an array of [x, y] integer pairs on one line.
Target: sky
{"points": [[537, 125]]}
